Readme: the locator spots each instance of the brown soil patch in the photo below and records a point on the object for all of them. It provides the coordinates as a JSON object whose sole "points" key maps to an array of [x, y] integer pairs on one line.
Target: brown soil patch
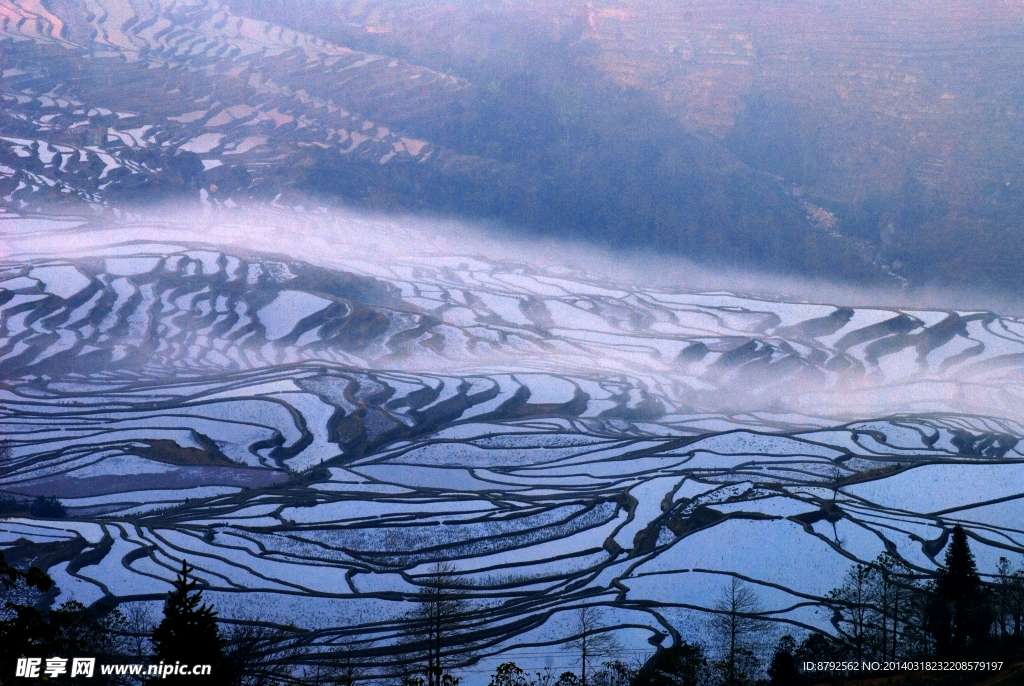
{"points": [[165, 450]]}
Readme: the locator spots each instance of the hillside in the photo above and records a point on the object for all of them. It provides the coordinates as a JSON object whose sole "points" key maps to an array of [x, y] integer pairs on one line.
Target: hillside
{"points": [[246, 110], [897, 128]]}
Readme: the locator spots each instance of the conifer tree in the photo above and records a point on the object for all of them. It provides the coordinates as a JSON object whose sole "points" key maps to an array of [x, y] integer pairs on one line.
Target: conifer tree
{"points": [[188, 633], [959, 614]]}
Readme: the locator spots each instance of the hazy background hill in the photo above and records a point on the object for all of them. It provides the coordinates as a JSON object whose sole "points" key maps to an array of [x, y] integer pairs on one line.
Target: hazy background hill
{"points": [[857, 141], [897, 125]]}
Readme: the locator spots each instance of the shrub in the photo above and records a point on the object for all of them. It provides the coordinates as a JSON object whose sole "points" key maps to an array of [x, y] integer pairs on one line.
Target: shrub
{"points": [[49, 507], [9, 505]]}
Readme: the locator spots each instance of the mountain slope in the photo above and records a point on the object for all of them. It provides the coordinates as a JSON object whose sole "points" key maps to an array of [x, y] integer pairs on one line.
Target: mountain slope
{"points": [[172, 101]]}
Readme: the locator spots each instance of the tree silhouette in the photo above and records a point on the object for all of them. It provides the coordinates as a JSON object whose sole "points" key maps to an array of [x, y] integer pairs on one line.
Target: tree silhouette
{"points": [[893, 599], [1008, 603], [437, 624], [737, 630], [959, 615], [591, 640], [854, 602], [1016, 608], [510, 674], [23, 628], [257, 655], [614, 673], [782, 670], [683, 664], [1003, 596], [48, 507], [188, 632]]}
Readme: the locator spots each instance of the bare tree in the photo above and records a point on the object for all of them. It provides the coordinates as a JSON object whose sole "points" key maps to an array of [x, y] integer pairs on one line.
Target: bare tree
{"points": [[349, 662], [437, 625], [259, 655], [1003, 595], [893, 588], [738, 630], [854, 599], [343, 665], [1017, 602], [317, 674], [138, 627], [592, 640]]}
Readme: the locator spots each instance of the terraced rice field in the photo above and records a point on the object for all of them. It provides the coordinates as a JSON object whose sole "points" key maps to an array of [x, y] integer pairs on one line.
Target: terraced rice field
{"points": [[313, 424]]}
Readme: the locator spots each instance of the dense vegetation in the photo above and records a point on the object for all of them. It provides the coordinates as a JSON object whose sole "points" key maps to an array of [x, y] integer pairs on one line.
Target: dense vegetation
{"points": [[43, 506]]}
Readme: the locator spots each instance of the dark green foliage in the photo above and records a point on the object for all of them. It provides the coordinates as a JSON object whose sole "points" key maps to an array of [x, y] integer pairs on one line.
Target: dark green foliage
{"points": [[68, 631], [34, 577], [188, 632], [10, 505], [782, 670], [958, 614], [684, 664], [76, 631], [614, 673], [444, 679], [815, 647], [509, 674], [822, 647], [48, 507], [71, 630], [740, 668]]}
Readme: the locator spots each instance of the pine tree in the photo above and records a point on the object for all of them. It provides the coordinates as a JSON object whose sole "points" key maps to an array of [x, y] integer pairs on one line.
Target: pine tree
{"points": [[959, 614], [188, 633]]}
